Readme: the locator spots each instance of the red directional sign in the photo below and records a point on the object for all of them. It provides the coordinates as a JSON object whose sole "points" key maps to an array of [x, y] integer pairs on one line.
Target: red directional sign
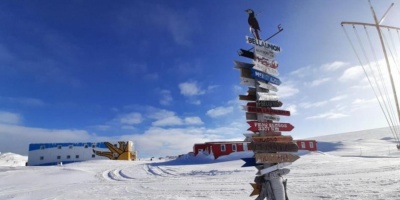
{"points": [[256, 126], [266, 111]]}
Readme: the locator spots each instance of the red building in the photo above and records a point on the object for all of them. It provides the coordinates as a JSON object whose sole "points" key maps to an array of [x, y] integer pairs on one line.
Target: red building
{"points": [[225, 148], [310, 145], [220, 148]]}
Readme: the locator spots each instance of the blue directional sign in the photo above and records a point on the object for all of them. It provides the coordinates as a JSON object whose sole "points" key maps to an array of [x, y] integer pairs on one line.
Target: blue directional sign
{"points": [[265, 77], [250, 162]]}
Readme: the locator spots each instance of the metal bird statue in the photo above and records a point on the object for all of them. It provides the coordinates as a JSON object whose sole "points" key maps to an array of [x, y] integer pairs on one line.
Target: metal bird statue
{"points": [[254, 27]]}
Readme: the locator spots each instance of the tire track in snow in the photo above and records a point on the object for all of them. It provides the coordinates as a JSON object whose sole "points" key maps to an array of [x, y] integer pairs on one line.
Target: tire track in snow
{"points": [[116, 175]]}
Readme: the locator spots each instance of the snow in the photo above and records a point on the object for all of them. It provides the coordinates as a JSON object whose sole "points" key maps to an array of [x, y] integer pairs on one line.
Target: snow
{"points": [[357, 165]]}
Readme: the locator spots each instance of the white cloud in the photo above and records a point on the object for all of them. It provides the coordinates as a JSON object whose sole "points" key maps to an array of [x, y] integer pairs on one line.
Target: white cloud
{"points": [[333, 66], [219, 111], [328, 115], [313, 104], [130, 118], [193, 121], [190, 89], [318, 82], [166, 97], [287, 90], [338, 98], [352, 73], [10, 118], [168, 121], [292, 109]]}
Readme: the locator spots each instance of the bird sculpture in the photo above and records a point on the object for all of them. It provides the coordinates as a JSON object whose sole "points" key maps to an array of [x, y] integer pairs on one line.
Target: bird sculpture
{"points": [[254, 27]]}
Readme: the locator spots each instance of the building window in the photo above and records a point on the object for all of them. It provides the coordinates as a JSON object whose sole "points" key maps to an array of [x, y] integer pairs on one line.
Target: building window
{"points": [[42, 147], [68, 157], [70, 146], [303, 145], [86, 145], [41, 157], [59, 147], [311, 145], [233, 147], [93, 145], [77, 156], [58, 157], [93, 155], [223, 147]]}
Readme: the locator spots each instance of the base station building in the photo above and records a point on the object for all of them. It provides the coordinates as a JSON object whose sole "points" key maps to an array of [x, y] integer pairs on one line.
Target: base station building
{"points": [[43, 154]]}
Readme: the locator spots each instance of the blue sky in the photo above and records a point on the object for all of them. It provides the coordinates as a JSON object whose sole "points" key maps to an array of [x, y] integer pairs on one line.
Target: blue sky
{"points": [[161, 73]]}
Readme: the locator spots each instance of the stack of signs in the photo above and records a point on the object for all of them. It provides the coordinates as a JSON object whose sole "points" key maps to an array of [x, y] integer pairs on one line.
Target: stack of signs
{"points": [[272, 150]]}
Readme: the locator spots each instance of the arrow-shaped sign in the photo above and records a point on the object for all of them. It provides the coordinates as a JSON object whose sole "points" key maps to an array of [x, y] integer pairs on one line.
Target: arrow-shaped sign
{"points": [[273, 147], [262, 96], [261, 117], [275, 157], [282, 138], [267, 67], [248, 97], [256, 189], [265, 77], [265, 104], [239, 65], [266, 111], [273, 168], [246, 53], [267, 86], [249, 162], [266, 126]]}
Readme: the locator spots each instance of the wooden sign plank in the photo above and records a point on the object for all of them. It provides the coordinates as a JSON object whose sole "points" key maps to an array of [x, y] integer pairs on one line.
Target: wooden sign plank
{"points": [[246, 53], [263, 52], [256, 189], [262, 43], [248, 97], [275, 157], [265, 104], [249, 162], [267, 86], [264, 77], [283, 138], [273, 168], [266, 67], [266, 110], [273, 147], [261, 96], [247, 81], [239, 65], [256, 126]]}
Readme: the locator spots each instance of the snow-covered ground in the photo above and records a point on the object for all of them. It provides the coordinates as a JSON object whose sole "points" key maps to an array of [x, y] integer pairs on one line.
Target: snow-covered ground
{"points": [[358, 165]]}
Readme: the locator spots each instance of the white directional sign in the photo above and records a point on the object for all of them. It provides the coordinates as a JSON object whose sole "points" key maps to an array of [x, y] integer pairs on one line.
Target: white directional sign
{"points": [[263, 52], [265, 67], [267, 86], [262, 96]]}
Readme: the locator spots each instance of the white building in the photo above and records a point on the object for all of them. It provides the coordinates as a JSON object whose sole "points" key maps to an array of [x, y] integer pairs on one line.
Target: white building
{"points": [[63, 153]]}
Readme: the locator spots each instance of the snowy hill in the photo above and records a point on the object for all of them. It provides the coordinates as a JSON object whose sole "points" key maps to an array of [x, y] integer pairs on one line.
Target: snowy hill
{"points": [[358, 165], [12, 159]]}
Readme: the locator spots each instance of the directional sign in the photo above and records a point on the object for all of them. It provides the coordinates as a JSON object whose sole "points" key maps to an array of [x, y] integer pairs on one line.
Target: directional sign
{"points": [[239, 65], [267, 86], [246, 53], [266, 117], [275, 157], [266, 110], [256, 189], [266, 126], [265, 104], [249, 162], [263, 43], [268, 104], [273, 146], [248, 97], [282, 138], [265, 77], [244, 72], [247, 81], [277, 173], [273, 168], [263, 52], [268, 70], [262, 96]]}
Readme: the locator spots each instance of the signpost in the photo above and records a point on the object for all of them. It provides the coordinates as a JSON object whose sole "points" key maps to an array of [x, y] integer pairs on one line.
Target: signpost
{"points": [[271, 148]]}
